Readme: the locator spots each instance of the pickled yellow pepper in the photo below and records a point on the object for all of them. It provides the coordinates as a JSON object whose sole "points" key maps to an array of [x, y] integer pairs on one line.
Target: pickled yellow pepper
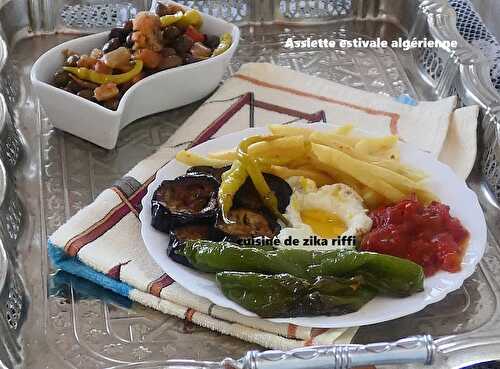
{"points": [[102, 78], [232, 180], [252, 168], [225, 42], [169, 19]]}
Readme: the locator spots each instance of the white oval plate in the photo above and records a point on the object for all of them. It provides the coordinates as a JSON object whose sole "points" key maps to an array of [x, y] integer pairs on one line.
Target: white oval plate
{"points": [[442, 181]]}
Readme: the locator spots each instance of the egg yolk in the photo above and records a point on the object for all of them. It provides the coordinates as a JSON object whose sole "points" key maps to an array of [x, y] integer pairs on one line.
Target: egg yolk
{"points": [[323, 223]]}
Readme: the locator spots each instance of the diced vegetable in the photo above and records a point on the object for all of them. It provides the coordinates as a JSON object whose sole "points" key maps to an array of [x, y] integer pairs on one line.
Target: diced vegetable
{"points": [[106, 91], [101, 67], [150, 58], [117, 58], [194, 34], [86, 61], [200, 51]]}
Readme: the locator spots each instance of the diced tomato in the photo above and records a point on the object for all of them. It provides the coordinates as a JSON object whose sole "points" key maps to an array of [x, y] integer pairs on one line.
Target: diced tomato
{"points": [[427, 235], [194, 34]]}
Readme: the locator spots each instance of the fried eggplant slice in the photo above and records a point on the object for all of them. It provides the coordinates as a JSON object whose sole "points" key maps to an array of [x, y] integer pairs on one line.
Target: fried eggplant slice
{"points": [[179, 234], [248, 197], [248, 223], [185, 199], [203, 169]]}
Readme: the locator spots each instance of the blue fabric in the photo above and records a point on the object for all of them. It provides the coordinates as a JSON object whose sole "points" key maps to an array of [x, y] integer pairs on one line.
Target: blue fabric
{"points": [[74, 266], [406, 99]]}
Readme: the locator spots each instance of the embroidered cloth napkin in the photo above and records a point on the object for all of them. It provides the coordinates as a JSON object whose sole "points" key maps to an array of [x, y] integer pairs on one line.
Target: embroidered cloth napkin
{"points": [[102, 242]]}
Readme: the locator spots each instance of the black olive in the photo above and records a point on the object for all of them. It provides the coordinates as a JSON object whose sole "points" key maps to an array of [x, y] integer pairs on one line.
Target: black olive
{"points": [[189, 58], [61, 78], [212, 41], [128, 26], [167, 51], [182, 44], [117, 33], [111, 104], [129, 42], [170, 34], [170, 61], [161, 9], [87, 94], [111, 45], [71, 61], [73, 87]]}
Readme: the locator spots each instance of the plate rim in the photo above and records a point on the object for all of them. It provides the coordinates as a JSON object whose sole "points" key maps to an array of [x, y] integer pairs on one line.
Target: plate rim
{"points": [[467, 269]]}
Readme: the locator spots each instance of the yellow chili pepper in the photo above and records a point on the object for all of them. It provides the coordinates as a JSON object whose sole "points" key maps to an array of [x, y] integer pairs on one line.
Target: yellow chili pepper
{"points": [[101, 78], [232, 180], [190, 18], [225, 42], [252, 168], [169, 19]]}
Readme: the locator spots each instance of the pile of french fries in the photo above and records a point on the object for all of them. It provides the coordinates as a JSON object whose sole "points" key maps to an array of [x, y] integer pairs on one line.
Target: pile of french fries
{"points": [[370, 165]]}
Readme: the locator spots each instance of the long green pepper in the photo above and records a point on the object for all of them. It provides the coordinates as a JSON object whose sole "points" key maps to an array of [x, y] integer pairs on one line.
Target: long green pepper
{"points": [[387, 274], [283, 295]]}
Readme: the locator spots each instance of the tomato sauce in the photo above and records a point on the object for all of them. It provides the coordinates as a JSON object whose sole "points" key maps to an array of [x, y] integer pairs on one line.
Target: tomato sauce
{"points": [[427, 235]]}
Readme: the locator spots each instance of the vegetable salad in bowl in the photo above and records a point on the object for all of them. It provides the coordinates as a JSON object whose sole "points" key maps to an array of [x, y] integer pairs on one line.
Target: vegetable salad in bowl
{"points": [[149, 43]]}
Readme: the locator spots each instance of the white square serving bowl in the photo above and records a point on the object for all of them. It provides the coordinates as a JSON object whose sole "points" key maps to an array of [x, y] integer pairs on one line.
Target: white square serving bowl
{"points": [[161, 91]]}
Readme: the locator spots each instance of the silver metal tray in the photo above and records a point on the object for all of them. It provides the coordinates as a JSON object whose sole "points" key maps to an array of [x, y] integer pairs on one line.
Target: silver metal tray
{"points": [[49, 319]]}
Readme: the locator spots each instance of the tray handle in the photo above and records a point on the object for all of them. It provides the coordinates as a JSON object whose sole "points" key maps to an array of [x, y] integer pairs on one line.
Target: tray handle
{"points": [[416, 349]]}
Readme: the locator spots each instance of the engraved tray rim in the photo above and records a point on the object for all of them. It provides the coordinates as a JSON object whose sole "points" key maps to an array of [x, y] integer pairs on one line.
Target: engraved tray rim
{"points": [[474, 72]]}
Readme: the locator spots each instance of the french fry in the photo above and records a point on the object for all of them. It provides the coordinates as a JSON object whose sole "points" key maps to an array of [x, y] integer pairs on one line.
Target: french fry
{"points": [[334, 136], [282, 149], [345, 129], [380, 147], [332, 139], [318, 177], [300, 162], [372, 199], [363, 172], [287, 130], [338, 176], [392, 164], [224, 155], [399, 181], [192, 159], [374, 145]]}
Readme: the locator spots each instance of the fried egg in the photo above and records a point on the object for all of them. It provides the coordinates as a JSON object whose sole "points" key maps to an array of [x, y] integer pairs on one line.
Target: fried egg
{"points": [[331, 212]]}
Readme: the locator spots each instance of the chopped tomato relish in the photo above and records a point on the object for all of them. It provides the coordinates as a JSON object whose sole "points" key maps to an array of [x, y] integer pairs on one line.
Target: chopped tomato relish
{"points": [[427, 235]]}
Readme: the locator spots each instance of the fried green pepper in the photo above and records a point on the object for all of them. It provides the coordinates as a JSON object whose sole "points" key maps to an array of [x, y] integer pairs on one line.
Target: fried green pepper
{"points": [[252, 167], [387, 274], [232, 180], [225, 42], [102, 78], [283, 295]]}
